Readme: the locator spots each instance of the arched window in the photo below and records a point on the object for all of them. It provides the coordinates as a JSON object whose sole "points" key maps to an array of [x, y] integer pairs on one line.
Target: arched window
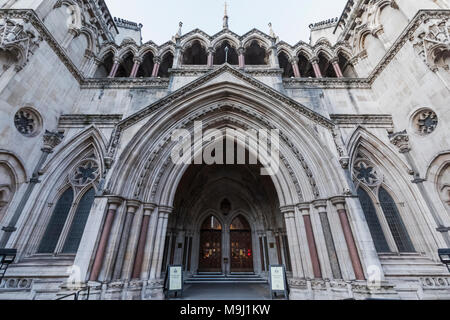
{"points": [[166, 64], [61, 217], [372, 220], [105, 67], [395, 222], [255, 54], [286, 65], [146, 67], [306, 69], [79, 222], [57, 222], [126, 66], [195, 54], [221, 55]]}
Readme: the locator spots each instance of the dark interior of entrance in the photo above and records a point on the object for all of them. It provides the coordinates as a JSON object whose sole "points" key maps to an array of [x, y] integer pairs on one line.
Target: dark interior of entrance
{"points": [[226, 220]]}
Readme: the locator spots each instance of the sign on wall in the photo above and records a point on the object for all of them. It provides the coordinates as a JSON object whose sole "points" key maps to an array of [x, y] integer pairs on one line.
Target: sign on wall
{"points": [[278, 281]]}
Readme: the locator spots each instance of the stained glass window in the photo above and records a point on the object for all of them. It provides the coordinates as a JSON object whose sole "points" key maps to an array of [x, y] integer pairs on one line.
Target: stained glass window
{"points": [[395, 222], [56, 224], [79, 222], [372, 220]]}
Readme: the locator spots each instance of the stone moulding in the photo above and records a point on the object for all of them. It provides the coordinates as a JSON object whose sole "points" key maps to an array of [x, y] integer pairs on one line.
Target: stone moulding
{"points": [[368, 120], [69, 120]]}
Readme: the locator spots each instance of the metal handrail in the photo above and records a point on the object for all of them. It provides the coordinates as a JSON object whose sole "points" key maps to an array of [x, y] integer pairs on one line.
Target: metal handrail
{"points": [[76, 295]]}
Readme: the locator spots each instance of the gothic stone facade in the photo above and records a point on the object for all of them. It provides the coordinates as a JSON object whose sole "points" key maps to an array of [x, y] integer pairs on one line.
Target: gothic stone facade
{"points": [[90, 197]]}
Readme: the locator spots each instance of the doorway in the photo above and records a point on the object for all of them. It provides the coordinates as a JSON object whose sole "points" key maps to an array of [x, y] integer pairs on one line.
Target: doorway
{"points": [[210, 258], [241, 245]]}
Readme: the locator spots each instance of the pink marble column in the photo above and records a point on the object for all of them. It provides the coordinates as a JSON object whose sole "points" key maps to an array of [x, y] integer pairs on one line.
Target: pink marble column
{"points": [[157, 64], [337, 68], [339, 202], [304, 208], [139, 258], [135, 69], [113, 204], [315, 65], [114, 69], [241, 58], [294, 62]]}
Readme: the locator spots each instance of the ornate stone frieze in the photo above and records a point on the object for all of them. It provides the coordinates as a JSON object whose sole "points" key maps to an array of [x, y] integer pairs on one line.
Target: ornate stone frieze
{"points": [[18, 38], [431, 41]]}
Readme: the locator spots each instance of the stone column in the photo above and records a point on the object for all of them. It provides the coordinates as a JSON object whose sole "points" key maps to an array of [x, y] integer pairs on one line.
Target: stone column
{"points": [[113, 204], [155, 271], [157, 64], [71, 34], [210, 57], [294, 246], [339, 203], [114, 68], [294, 62], [315, 64], [321, 206], [241, 58], [337, 68], [142, 242], [379, 33], [151, 238], [135, 69], [304, 208], [132, 207]]}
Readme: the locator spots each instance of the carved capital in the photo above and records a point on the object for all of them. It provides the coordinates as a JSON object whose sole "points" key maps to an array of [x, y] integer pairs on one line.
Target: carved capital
{"points": [[401, 141], [51, 141]]}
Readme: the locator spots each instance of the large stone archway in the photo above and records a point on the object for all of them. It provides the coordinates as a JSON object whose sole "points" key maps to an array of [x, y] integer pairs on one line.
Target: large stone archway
{"points": [[246, 209]]}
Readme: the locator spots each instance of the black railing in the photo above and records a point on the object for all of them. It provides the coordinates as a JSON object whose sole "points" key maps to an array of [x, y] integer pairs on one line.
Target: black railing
{"points": [[76, 295]]}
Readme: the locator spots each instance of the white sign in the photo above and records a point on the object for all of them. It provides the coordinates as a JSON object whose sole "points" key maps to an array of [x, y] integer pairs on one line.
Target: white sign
{"points": [[175, 278], [277, 280]]}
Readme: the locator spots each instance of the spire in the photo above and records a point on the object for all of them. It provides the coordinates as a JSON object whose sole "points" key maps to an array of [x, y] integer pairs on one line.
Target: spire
{"points": [[225, 17]]}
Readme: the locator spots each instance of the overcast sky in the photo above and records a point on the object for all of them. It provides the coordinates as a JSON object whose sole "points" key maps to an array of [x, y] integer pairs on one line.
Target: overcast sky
{"points": [[290, 18]]}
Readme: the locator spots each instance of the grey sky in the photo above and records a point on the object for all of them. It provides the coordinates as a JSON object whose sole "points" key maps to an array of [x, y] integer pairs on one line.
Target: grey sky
{"points": [[290, 18]]}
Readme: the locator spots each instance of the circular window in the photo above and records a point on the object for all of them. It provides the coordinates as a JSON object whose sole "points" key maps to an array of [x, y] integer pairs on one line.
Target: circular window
{"points": [[28, 122], [425, 121]]}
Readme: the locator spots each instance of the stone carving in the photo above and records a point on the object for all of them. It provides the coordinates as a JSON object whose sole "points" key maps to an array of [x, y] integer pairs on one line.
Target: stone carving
{"points": [[365, 172], [16, 284], [27, 122], [432, 43], [19, 40], [51, 140], [425, 121], [85, 173], [401, 141]]}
